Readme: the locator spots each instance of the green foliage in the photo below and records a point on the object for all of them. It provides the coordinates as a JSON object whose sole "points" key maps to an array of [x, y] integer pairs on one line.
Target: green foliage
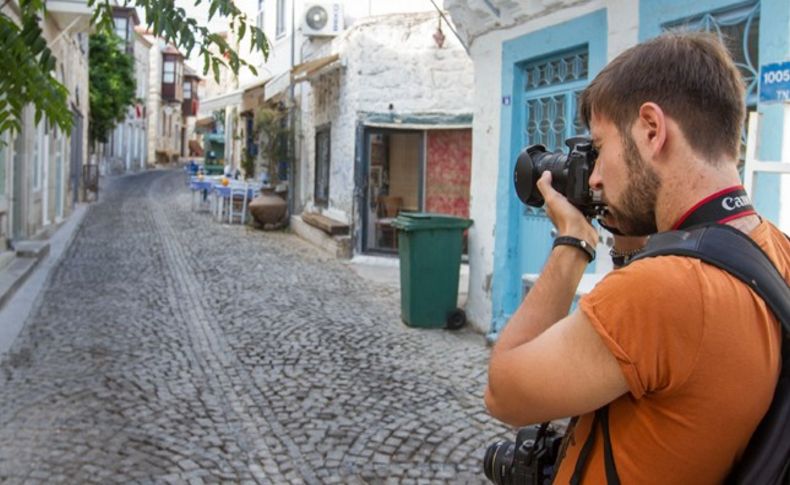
{"points": [[112, 84], [274, 135], [26, 77], [248, 165]]}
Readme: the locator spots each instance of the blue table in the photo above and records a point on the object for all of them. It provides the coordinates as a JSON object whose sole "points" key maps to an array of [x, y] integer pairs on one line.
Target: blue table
{"points": [[224, 192]]}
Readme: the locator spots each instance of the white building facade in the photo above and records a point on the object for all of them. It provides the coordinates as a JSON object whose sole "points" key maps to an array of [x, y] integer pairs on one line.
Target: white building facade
{"points": [[126, 150], [386, 120], [41, 166]]}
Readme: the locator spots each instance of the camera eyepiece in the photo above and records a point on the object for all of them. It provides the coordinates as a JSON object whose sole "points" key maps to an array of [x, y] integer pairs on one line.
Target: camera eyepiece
{"points": [[570, 174]]}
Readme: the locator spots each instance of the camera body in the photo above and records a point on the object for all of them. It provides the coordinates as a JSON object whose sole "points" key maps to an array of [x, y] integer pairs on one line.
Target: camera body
{"points": [[530, 460], [570, 174]]}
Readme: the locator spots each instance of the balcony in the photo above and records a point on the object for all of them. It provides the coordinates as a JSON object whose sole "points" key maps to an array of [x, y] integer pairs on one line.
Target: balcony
{"points": [[72, 14]]}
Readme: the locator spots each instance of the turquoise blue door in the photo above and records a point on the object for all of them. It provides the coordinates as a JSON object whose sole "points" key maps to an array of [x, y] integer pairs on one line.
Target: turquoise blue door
{"points": [[543, 73], [552, 87]]}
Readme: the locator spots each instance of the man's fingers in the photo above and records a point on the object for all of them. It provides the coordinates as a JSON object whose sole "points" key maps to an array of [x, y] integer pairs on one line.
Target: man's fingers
{"points": [[544, 185]]}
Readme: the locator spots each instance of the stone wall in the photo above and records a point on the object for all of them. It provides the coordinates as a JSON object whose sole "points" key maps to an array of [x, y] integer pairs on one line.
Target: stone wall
{"points": [[389, 65]]}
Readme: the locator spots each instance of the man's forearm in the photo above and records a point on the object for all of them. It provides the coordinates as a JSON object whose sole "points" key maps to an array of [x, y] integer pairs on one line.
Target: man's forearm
{"points": [[548, 301]]}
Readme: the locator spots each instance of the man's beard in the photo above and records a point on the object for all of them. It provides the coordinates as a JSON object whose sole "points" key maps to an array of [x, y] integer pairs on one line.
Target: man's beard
{"points": [[635, 212]]}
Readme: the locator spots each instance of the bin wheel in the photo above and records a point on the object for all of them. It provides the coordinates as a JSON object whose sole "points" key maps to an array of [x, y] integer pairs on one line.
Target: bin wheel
{"points": [[456, 319]]}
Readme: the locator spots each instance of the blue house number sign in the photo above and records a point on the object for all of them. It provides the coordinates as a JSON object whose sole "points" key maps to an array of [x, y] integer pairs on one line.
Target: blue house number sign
{"points": [[775, 83]]}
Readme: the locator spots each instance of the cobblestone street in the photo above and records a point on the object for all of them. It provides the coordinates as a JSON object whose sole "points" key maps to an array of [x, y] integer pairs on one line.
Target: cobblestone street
{"points": [[170, 348]]}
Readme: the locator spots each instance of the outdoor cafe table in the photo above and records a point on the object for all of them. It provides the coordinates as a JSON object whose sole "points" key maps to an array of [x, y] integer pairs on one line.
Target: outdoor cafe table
{"points": [[201, 188], [223, 192]]}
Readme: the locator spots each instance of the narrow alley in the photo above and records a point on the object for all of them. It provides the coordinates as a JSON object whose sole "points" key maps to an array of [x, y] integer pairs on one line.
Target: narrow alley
{"points": [[166, 348]]}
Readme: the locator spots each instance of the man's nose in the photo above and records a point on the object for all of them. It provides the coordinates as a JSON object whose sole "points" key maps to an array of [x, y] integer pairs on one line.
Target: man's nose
{"points": [[596, 181]]}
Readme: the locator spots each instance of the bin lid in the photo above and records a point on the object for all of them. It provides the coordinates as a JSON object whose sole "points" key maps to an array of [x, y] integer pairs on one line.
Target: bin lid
{"points": [[418, 221]]}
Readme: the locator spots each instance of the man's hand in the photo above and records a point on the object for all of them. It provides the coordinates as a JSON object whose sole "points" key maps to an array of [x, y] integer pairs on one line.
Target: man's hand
{"points": [[568, 220]]}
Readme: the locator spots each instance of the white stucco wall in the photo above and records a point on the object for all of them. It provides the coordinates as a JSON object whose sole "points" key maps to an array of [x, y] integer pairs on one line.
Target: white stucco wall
{"points": [[486, 53], [385, 60]]}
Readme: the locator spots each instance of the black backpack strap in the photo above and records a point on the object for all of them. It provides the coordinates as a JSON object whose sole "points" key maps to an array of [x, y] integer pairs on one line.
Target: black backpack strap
{"points": [[601, 416], [733, 251]]}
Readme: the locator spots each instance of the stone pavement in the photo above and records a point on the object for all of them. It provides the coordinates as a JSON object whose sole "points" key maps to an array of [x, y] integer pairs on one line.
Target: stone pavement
{"points": [[167, 348]]}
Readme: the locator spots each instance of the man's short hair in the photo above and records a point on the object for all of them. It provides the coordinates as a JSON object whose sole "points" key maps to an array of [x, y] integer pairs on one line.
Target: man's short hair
{"points": [[691, 76]]}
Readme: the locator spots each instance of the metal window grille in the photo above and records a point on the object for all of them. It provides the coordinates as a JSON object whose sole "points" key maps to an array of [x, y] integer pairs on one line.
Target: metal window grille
{"points": [[739, 29], [552, 87]]}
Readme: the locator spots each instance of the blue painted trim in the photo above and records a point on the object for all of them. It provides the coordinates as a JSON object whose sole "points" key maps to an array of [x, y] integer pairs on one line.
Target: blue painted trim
{"points": [[590, 30], [774, 47]]}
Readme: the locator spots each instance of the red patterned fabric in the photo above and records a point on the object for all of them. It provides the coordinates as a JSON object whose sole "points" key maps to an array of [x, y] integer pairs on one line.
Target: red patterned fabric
{"points": [[448, 172]]}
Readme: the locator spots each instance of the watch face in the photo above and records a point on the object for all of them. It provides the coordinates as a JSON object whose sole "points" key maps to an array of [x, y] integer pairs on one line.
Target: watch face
{"points": [[317, 18]]}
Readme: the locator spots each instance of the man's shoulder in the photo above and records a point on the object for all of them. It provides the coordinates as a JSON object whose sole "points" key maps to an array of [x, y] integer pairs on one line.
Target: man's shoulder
{"points": [[650, 272]]}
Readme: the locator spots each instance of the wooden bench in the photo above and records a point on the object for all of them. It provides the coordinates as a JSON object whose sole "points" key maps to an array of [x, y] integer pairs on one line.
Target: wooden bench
{"points": [[329, 226]]}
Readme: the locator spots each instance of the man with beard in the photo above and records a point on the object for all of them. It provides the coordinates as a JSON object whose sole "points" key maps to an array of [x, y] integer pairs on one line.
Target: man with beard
{"points": [[684, 356]]}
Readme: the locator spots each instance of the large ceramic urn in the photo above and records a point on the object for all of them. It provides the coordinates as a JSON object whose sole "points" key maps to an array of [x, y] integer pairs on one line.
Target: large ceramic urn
{"points": [[268, 207]]}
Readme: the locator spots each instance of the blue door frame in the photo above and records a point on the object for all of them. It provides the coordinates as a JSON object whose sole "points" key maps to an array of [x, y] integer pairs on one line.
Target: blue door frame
{"points": [[514, 245]]}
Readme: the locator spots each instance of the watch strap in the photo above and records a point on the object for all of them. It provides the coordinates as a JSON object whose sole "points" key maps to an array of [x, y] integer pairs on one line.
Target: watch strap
{"points": [[586, 247]]}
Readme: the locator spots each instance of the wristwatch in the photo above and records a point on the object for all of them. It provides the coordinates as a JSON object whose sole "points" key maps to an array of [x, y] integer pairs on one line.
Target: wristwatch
{"points": [[588, 249]]}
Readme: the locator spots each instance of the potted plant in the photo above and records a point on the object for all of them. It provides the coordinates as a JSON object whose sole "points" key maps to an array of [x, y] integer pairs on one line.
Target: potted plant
{"points": [[272, 133]]}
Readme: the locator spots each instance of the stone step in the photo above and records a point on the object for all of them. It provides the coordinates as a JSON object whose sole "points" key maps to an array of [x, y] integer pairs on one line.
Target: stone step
{"points": [[14, 274], [31, 249], [329, 226]]}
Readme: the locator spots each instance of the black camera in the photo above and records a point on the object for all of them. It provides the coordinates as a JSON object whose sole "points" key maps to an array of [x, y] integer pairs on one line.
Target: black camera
{"points": [[530, 460], [570, 175]]}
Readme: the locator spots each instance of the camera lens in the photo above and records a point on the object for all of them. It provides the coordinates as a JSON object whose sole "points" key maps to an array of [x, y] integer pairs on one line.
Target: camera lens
{"points": [[530, 165], [497, 462]]}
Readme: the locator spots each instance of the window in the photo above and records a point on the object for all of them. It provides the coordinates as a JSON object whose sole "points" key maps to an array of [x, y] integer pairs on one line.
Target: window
{"points": [[187, 89], [322, 162], [739, 29], [553, 86], [121, 28], [259, 17], [169, 72], [38, 155], [280, 31]]}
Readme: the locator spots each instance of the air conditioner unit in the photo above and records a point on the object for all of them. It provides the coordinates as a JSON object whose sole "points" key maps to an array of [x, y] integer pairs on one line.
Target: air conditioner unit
{"points": [[322, 19]]}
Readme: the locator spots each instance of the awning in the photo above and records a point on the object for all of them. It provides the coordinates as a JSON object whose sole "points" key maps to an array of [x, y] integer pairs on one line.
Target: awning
{"points": [[205, 122], [306, 70], [277, 85], [233, 98], [253, 96]]}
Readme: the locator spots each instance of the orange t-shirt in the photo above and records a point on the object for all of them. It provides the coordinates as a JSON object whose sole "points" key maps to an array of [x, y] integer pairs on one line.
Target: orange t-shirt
{"points": [[701, 354]]}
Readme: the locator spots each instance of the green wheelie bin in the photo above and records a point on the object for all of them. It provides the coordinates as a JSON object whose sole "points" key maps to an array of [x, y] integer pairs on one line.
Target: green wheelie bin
{"points": [[430, 248]]}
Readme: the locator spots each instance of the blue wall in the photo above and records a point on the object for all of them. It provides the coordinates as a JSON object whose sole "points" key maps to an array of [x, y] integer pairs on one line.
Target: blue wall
{"points": [[774, 47], [511, 245]]}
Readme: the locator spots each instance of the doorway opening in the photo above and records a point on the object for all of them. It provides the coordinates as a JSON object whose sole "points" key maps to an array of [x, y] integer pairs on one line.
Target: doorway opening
{"points": [[395, 162]]}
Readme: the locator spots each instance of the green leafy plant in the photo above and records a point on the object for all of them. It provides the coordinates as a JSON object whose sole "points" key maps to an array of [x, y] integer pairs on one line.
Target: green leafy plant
{"points": [[112, 85], [273, 135], [29, 63], [248, 165], [27, 74]]}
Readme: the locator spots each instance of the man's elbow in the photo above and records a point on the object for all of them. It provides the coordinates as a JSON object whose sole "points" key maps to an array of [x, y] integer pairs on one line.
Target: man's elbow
{"points": [[497, 408]]}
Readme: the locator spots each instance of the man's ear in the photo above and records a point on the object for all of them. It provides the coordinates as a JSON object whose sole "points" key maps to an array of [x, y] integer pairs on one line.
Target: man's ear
{"points": [[651, 129]]}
